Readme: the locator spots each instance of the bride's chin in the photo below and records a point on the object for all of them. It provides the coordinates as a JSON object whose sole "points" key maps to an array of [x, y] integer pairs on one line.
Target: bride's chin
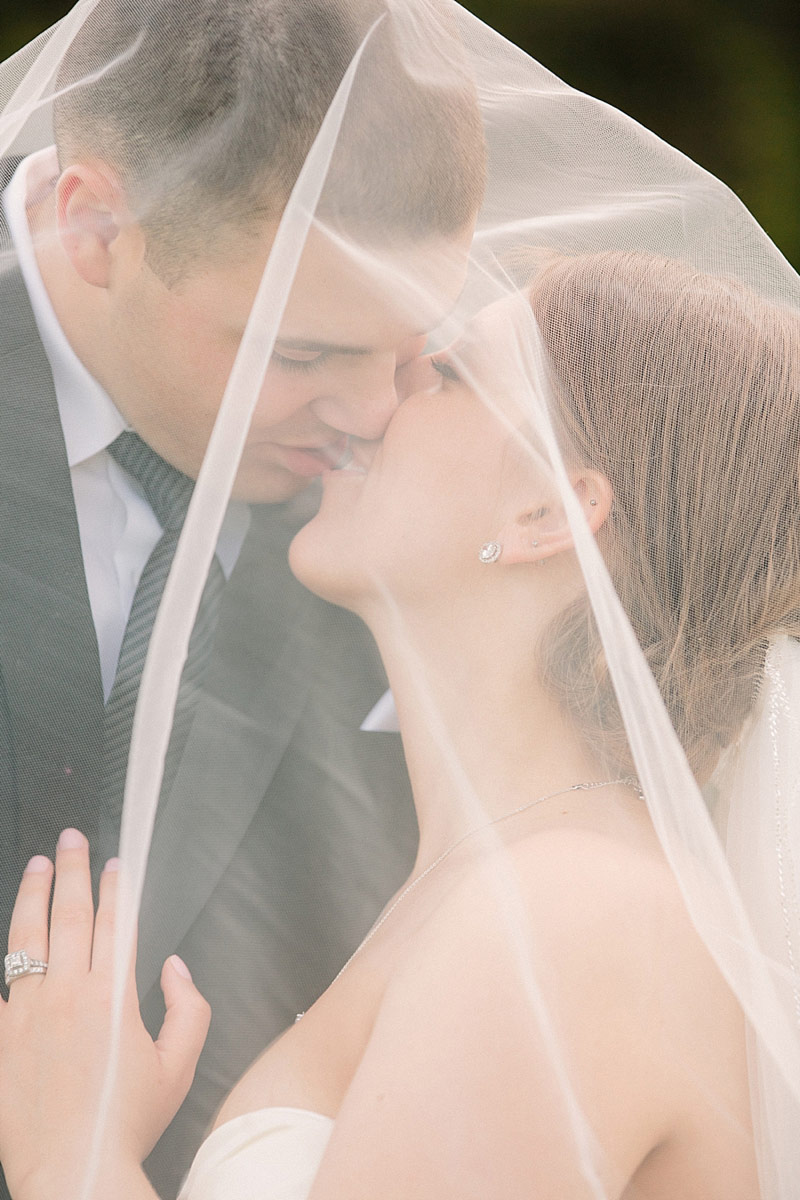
{"points": [[315, 562]]}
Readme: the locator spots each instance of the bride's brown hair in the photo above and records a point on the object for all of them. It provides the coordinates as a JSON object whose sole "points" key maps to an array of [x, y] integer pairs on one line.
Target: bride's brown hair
{"points": [[683, 389]]}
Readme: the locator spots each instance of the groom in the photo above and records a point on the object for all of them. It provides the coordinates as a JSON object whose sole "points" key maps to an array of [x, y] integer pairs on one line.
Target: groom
{"points": [[131, 255]]}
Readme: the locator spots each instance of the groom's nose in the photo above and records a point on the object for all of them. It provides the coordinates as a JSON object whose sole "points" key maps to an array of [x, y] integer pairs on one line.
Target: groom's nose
{"points": [[364, 406], [407, 365], [411, 349], [416, 376], [371, 398]]}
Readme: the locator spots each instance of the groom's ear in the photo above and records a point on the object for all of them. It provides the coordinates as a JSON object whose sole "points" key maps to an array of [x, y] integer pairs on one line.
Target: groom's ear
{"points": [[95, 226], [541, 530]]}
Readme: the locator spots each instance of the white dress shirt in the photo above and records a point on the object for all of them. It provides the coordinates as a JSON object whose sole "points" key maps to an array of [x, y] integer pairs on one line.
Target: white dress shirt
{"points": [[118, 528], [382, 718]]}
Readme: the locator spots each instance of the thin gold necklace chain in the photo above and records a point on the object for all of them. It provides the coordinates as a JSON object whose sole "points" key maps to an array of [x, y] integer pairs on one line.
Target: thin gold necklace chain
{"points": [[628, 780]]}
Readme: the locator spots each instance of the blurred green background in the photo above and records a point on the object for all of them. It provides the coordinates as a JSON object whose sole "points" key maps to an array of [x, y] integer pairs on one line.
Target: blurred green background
{"points": [[717, 78]]}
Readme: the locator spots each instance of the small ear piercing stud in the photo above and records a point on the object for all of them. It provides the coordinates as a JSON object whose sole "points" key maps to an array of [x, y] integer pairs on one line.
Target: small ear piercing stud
{"points": [[490, 552], [593, 503]]}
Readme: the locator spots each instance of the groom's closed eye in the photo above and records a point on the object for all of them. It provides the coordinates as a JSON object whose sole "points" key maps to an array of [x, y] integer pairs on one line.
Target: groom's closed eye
{"points": [[301, 354], [300, 361]]}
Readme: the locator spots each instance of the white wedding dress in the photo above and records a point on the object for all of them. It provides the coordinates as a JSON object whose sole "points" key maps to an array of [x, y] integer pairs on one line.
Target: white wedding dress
{"points": [[269, 1154]]}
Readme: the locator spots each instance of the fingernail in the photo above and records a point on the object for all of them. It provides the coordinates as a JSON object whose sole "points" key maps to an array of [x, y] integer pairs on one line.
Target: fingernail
{"points": [[112, 865], [180, 966], [71, 839], [38, 865]]}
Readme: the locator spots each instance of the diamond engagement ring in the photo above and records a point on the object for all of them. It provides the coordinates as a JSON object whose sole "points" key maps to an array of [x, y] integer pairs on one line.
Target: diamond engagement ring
{"points": [[20, 963]]}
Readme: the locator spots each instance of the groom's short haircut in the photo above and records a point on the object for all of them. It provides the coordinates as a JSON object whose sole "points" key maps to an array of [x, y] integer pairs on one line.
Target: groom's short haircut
{"points": [[207, 110]]}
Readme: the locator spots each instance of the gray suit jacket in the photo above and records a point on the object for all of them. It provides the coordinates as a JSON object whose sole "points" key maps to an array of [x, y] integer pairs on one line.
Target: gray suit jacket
{"points": [[285, 828]]}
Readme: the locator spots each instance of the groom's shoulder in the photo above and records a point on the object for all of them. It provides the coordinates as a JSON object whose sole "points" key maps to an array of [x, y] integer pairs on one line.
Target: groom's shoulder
{"points": [[8, 165], [8, 260], [17, 323]]}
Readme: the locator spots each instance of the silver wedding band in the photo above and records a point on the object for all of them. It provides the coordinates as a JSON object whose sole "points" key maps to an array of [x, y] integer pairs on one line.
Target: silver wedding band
{"points": [[20, 963]]}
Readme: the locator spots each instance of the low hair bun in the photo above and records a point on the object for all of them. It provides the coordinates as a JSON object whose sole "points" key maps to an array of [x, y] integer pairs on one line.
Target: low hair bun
{"points": [[703, 544]]}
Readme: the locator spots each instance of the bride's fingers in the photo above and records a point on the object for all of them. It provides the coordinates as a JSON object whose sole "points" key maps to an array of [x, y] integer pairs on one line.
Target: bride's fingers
{"points": [[28, 929], [72, 916], [105, 931], [185, 1024], [104, 922]]}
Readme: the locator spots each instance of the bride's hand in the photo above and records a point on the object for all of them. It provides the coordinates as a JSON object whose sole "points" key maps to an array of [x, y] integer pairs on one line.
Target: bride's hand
{"points": [[54, 1037]]}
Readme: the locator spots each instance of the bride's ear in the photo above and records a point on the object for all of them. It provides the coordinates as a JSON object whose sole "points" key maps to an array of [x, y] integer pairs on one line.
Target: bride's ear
{"points": [[542, 531]]}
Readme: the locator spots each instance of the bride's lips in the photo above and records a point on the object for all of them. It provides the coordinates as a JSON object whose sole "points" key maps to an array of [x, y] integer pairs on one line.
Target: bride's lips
{"points": [[355, 463]]}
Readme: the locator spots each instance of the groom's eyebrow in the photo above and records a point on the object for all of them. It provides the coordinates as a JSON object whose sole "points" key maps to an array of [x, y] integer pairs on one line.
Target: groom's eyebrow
{"points": [[312, 347], [317, 347]]}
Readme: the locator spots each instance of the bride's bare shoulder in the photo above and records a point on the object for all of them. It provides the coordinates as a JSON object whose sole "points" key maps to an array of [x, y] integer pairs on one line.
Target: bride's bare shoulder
{"points": [[578, 874], [577, 942], [566, 874], [593, 914]]}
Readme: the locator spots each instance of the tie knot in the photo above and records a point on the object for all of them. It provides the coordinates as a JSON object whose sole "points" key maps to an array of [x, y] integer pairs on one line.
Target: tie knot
{"points": [[167, 489]]}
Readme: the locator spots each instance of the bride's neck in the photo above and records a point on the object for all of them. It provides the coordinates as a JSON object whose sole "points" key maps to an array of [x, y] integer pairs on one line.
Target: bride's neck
{"points": [[481, 736]]}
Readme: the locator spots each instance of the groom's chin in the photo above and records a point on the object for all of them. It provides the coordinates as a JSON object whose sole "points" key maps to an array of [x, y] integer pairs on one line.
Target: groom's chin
{"points": [[257, 484]]}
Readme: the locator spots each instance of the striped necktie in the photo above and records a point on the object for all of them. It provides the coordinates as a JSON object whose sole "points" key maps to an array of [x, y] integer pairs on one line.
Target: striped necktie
{"points": [[168, 492]]}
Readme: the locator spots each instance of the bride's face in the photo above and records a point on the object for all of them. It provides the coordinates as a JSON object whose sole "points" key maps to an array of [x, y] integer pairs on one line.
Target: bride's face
{"points": [[409, 515]]}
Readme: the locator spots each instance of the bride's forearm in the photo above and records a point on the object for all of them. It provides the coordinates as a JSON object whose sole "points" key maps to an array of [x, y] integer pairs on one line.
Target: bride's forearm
{"points": [[130, 1183], [120, 1182]]}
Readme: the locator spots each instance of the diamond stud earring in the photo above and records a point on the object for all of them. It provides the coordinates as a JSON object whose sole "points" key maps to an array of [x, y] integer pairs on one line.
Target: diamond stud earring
{"points": [[490, 552], [593, 503]]}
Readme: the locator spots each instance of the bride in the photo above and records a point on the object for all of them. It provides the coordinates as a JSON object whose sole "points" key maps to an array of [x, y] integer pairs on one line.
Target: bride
{"points": [[534, 1014]]}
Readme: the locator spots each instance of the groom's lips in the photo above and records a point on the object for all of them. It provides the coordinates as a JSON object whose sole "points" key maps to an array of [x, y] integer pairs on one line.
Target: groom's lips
{"points": [[313, 460]]}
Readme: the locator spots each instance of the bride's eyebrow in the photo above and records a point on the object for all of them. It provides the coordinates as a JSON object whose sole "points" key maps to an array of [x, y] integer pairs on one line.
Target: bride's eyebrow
{"points": [[314, 346]]}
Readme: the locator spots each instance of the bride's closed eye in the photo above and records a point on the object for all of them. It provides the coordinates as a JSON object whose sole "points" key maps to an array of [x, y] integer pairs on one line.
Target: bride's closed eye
{"points": [[446, 369]]}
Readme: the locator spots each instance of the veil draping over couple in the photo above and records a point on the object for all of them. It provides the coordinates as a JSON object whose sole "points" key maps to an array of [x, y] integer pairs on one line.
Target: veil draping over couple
{"points": [[399, 618]]}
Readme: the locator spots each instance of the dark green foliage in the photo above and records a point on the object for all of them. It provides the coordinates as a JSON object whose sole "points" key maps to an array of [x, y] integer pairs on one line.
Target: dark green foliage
{"points": [[718, 79]]}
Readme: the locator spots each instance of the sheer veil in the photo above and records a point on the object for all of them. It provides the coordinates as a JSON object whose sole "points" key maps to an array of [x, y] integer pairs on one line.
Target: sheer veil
{"points": [[597, 241]]}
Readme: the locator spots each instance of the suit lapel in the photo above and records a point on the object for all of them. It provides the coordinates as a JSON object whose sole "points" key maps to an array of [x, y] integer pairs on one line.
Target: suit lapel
{"points": [[48, 648], [49, 663], [257, 685]]}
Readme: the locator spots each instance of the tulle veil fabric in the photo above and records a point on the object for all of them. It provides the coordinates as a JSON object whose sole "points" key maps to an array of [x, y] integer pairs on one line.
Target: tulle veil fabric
{"points": [[566, 176]]}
